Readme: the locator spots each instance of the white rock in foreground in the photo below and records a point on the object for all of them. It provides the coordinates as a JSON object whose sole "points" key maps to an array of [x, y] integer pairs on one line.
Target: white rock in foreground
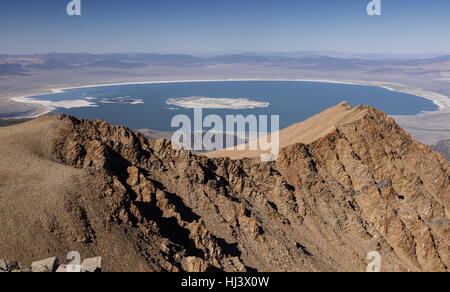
{"points": [[44, 266], [92, 265]]}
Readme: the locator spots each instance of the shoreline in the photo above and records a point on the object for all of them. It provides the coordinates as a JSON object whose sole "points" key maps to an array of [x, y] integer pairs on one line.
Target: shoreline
{"points": [[440, 100]]}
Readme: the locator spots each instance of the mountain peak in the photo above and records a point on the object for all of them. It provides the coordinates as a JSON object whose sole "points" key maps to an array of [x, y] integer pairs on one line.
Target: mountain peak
{"points": [[308, 131]]}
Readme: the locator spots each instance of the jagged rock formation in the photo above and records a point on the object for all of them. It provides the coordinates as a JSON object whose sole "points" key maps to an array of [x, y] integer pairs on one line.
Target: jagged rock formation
{"points": [[364, 185]]}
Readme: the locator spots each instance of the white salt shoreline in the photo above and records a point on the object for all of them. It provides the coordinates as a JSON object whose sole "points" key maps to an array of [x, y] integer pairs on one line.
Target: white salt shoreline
{"points": [[440, 100]]}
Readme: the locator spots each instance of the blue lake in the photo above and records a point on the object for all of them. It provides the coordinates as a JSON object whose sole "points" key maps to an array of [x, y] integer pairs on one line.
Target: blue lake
{"points": [[293, 101]]}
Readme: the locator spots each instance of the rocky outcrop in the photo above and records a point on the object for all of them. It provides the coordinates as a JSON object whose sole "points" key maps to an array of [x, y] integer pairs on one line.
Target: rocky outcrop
{"points": [[364, 186], [10, 266]]}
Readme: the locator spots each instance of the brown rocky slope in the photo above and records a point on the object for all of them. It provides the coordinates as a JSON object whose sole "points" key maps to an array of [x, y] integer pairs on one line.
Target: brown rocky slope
{"points": [[68, 184]]}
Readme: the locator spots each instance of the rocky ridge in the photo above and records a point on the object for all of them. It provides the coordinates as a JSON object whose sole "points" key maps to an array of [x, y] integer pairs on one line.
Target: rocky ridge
{"points": [[364, 186]]}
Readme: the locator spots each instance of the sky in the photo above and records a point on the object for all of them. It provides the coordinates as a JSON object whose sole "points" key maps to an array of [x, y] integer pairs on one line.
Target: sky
{"points": [[406, 27]]}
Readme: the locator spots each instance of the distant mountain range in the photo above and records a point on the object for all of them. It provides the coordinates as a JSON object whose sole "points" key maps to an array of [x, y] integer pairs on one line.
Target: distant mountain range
{"points": [[22, 64], [12, 69]]}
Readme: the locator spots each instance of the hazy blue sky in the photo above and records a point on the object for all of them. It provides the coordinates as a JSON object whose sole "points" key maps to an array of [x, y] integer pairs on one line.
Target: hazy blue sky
{"points": [[192, 26]]}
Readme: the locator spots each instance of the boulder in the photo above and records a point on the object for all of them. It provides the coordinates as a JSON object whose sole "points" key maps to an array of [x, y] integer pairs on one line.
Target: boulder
{"points": [[3, 265], [92, 265], [44, 266], [194, 265]]}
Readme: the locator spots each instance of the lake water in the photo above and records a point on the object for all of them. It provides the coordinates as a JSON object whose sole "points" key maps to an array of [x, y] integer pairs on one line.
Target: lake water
{"points": [[141, 106]]}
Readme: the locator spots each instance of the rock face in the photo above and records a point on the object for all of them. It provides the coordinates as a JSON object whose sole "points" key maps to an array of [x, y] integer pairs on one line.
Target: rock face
{"points": [[364, 186]]}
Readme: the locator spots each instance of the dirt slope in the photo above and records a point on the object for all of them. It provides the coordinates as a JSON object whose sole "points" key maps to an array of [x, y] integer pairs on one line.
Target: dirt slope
{"points": [[363, 185], [304, 132]]}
